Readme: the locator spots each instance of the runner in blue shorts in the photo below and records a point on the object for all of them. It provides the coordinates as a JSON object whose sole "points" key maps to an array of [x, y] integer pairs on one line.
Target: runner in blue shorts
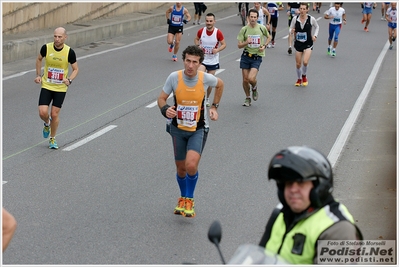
{"points": [[392, 17], [367, 11], [337, 16]]}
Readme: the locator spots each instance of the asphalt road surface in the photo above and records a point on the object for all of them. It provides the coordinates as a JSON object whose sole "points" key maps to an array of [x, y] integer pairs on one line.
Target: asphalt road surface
{"points": [[106, 196]]}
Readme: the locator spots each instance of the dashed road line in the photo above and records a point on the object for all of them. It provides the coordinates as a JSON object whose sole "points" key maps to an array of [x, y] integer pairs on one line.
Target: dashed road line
{"points": [[89, 138]]}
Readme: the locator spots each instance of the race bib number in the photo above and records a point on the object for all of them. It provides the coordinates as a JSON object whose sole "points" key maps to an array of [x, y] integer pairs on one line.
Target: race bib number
{"points": [[337, 20], [393, 16], [272, 10], [255, 41], [55, 75], [293, 11], [208, 49], [302, 37], [187, 115], [176, 18]]}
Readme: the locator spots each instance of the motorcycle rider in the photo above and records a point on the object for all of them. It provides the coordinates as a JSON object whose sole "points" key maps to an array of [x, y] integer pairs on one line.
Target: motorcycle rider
{"points": [[308, 212]]}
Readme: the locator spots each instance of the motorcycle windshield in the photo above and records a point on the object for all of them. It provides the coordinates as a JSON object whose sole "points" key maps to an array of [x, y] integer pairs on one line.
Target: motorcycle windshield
{"points": [[249, 254]]}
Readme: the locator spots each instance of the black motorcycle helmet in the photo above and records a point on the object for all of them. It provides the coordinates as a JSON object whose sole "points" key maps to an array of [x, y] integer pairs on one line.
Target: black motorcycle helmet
{"points": [[301, 163]]}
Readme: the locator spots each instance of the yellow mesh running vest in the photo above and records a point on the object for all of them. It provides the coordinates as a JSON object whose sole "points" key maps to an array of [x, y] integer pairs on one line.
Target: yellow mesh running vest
{"points": [[56, 69]]}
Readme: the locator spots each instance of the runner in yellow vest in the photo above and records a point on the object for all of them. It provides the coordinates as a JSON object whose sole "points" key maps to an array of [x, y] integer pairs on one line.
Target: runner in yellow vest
{"points": [[187, 121], [308, 212], [55, 81]]}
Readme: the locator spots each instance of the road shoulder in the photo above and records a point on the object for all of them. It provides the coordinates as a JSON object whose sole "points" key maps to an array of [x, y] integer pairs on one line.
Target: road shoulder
{"points": [[365, 175]]}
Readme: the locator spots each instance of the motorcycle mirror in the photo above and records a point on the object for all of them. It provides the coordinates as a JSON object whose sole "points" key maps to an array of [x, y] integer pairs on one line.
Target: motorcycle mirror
{"points": [[215, 235], [215, 232]]}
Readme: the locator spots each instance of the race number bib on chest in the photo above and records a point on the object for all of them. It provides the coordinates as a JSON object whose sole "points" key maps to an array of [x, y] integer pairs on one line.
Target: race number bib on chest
{"points": [[301, 36], [187, 115], [176, 18], [208, 49], [393, 16], [337, 20], [255, 41], [55, 75]]}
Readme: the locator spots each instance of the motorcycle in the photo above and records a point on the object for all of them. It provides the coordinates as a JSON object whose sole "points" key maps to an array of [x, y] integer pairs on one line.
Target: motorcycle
{"points": [[247, 254]]}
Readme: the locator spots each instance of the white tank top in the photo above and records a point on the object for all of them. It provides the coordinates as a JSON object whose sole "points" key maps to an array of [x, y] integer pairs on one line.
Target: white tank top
{"points": [[208, 43], [261, 18]]}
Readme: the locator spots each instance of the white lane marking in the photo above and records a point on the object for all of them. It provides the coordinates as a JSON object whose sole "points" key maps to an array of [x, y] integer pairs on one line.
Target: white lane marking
{"points": [[350, 121], [219, 71], [4, 182], [153, 104], [89, 138], [17, 74]]}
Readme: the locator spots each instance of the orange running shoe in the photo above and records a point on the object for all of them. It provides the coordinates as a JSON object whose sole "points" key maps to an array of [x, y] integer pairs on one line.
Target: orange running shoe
{"points": [[189, 208], [180, 206]]}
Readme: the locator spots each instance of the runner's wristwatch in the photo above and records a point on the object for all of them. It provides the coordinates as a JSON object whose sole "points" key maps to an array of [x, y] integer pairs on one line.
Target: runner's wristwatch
{"points": [[215, 105], [70, 81]]}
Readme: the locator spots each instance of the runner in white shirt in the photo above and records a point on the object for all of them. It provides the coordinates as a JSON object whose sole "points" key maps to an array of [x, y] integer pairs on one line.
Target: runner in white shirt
{"points": [[337, 16], [263, 15], [212, 41], [392, 18]]}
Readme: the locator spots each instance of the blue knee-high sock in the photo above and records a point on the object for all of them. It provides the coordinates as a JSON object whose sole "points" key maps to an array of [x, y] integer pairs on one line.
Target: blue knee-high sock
{"points": [[191, 182], [182, 182]]}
